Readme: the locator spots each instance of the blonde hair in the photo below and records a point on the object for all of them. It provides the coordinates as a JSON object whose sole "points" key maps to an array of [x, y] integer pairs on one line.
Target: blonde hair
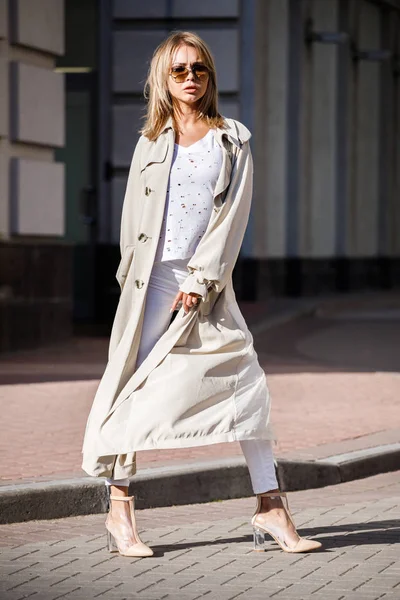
{"points": [[160, 104]]}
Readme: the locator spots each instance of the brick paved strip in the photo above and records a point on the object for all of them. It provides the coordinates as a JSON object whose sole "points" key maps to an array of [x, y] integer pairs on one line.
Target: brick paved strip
{"points": [[360, 557], [350, 364]]}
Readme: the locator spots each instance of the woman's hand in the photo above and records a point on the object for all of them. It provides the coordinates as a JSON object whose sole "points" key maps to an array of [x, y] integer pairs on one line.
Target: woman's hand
{"points": [[188, 300]]}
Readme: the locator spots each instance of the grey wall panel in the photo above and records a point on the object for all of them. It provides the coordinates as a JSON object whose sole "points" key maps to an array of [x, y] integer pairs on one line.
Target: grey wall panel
{"points": [[294, 131], [38, 24], [321, 213], [156, 9], [395, 204], [229, 108], [4, 204], [160, 9], [37, 197], [126, 122], [133, 51], [132, 54], [224, 44], [270, 136], [3, 97], [343, 137], [117, 198], [36, 105], [205, 9], [365, 208], [3, 19]]}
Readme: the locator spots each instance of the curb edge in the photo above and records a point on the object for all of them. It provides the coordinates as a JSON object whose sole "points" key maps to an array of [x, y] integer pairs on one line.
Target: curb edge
{"points": [[205, 482]]}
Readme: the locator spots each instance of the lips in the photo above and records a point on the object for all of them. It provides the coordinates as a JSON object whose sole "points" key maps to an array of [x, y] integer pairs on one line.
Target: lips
{"points": [[191, 89]]}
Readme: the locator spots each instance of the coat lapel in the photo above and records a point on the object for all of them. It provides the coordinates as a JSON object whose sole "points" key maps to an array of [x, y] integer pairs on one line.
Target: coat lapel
{"points": [[156, 182], [226, 168], [156, 153]]}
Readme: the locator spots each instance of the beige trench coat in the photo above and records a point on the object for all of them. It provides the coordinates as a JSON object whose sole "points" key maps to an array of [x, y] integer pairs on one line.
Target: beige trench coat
{"points": [[201, 383]]}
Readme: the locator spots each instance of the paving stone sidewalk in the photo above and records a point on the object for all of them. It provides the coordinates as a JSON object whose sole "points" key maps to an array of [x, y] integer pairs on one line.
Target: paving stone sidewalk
{"points": [[205, 551]]}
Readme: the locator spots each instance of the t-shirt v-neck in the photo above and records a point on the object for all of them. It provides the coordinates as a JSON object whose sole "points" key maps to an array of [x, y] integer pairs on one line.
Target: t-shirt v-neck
{"points": [[203, 139], [193, 176]]}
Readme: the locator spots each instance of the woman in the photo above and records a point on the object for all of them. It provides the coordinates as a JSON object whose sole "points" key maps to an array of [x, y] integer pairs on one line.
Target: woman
{"points": [[193, 380]]}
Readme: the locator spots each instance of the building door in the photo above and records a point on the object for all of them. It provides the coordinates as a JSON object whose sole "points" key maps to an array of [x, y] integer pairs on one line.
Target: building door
{"points": [[79, 156], [80, 64]]}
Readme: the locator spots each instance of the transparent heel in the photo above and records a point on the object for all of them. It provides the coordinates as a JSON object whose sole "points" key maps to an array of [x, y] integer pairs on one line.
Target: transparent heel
{"points": [[112, 546], [260, 529], [129, 544], [259, 539]]}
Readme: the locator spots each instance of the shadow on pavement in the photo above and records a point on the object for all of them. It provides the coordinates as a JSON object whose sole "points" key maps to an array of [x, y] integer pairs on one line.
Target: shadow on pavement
{"points": [[359, 335], [313, 344], [354, 534]]}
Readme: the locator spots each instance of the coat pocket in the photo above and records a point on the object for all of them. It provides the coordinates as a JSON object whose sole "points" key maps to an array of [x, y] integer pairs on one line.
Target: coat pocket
{"points": [[124, 265]]}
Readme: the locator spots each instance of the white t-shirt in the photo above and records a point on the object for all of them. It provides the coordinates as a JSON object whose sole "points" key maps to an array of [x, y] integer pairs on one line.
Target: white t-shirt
{"points": [[189, 203]]}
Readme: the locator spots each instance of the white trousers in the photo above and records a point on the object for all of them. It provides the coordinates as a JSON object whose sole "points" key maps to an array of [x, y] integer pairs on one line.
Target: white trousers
{"points": [[164, 283]]}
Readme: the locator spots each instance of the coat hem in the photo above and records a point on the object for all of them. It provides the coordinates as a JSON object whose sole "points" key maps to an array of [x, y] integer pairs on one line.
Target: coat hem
{"points": [[208, 440]]}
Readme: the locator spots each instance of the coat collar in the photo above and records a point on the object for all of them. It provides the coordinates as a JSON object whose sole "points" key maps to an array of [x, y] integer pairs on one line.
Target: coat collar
{"points": [[236, 132], [233, 130]]}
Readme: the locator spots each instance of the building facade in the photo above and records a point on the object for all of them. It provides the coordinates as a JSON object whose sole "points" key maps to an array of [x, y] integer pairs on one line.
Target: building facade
{"points": [[317, 82]]}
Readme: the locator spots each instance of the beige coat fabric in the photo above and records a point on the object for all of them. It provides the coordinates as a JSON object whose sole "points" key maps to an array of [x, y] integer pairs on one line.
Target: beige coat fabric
{"points": [[202, 382]]}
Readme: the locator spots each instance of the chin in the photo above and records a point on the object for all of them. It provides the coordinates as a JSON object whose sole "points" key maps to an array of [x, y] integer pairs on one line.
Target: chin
{"points": [[191, 99]]}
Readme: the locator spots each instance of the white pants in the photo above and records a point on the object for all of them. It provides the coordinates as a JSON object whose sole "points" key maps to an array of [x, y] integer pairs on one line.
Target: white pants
{"points": [[164, 283]]}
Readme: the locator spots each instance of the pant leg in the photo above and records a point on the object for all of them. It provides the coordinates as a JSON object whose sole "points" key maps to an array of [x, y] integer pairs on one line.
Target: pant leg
{"points": [[163, 286], [260, 462], [121, 482], [164, 283]]}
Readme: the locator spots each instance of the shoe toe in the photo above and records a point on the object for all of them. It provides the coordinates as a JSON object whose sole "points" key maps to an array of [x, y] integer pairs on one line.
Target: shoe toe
{"points": [[305, 545], [139, 550]]}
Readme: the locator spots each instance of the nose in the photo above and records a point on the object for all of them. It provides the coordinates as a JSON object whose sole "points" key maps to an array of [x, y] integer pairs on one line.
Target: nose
{"points": [[190, 75]]}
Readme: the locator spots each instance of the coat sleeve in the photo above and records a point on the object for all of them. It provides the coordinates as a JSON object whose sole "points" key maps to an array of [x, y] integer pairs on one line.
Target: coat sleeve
{"points": [[212, 264]]}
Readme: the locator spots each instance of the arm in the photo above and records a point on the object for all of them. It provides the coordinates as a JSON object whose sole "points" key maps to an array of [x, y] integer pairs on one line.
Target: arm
{"points": [[215, 257]]}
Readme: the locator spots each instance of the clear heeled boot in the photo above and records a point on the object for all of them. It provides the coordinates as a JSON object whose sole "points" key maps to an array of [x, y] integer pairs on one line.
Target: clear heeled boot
{"points": [[258, 539], [260, 529], [121, 544]]}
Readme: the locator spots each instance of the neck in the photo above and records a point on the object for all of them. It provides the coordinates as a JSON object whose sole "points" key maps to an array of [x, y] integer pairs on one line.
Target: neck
{"points": [[185, 116]]}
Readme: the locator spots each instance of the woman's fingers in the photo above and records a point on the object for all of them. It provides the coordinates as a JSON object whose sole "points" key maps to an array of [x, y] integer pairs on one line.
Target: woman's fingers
{"points": [[188, 300], [177, 299]]}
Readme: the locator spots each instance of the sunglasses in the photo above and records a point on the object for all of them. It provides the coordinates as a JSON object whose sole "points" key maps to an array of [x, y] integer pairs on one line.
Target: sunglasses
{"points": [[180, 73]]}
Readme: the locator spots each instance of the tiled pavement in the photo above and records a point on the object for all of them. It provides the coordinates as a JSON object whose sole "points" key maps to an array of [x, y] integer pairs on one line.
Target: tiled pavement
{"points": [[204, 551]]}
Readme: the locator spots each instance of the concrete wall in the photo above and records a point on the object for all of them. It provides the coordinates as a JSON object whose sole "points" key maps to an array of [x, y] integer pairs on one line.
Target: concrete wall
{"points": [[30, 183], [38, 24], [324, 121], [319, 229], [270, 135], [32, 310], [31, 113], [364, 214]]}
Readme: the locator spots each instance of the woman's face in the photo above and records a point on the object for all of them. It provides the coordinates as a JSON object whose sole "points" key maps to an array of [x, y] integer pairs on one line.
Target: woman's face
{"points": [[192, 88]]}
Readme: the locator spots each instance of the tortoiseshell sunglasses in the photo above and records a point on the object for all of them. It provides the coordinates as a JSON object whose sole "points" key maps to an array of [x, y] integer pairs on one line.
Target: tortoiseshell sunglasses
{"points": [[179, 73]]}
